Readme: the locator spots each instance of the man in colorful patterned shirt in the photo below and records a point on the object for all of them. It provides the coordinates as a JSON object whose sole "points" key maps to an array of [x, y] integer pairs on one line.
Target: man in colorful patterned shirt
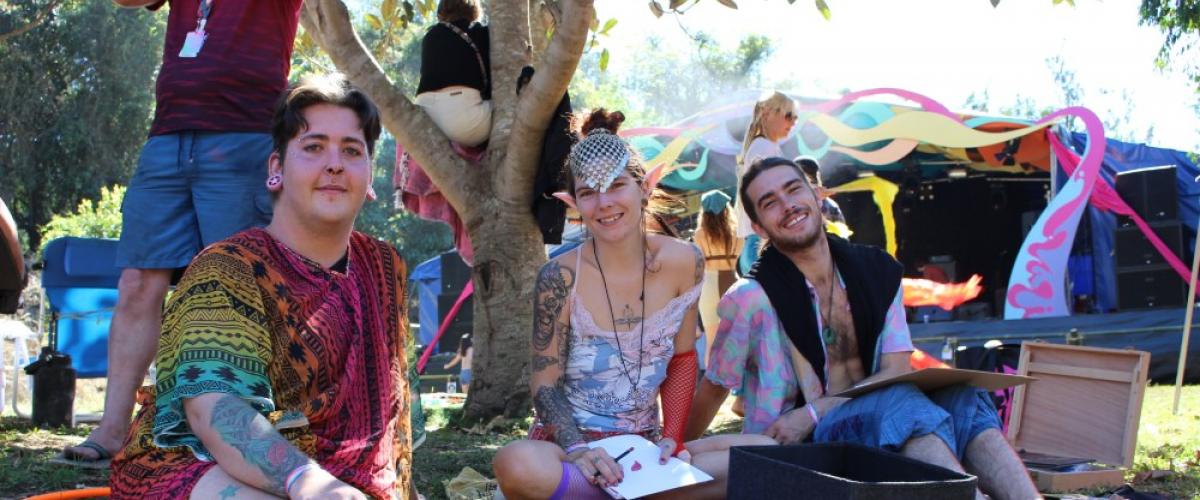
{"points": [[817, 315], [281, 370]]}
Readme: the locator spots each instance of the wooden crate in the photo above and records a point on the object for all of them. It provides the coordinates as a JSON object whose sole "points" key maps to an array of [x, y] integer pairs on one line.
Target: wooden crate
{"points": [[1086, 403]]}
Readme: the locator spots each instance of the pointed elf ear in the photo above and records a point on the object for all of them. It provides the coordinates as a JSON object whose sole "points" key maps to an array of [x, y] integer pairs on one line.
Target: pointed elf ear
{"points": [[566, 198], [371, 196]]}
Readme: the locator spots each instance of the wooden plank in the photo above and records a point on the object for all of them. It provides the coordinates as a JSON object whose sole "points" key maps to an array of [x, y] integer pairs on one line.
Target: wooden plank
{"points": [[1018, 405], [1135, 407], [1037, 368]]}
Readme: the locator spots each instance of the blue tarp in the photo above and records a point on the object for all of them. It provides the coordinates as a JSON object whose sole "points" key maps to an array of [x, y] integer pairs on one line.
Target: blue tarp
{"points": [[1120, 157], [426, 279]]}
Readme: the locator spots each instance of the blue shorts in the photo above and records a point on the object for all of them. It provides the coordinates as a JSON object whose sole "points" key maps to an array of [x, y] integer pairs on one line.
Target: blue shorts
{"points": [[889, 417], [464, 378], [192, 189]]}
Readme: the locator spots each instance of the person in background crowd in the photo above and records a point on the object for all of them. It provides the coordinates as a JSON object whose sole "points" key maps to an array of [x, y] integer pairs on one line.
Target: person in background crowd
{"points": [[772, 122], [200, 175], [464, 355], [455, 87], [716, 235]]}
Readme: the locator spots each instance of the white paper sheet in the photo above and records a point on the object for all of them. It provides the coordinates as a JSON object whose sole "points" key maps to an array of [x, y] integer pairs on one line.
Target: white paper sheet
{"points": [[643, 474]]}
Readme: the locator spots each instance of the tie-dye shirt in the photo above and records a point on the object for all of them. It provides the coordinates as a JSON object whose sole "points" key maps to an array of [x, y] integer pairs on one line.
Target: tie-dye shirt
{"points": [[752, 352], [617, 390]]}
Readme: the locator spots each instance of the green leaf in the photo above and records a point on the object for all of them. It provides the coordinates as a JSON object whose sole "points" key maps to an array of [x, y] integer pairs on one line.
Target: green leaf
{"points": [[656, 9], [729, 3], [388, 10], [824, 8], [374, 21], [1056, 2], [608, 25], [604, 60], [595, 23]]}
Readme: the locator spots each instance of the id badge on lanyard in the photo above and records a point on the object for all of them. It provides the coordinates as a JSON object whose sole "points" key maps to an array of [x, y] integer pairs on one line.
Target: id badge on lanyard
{"points": [[195, 39]]}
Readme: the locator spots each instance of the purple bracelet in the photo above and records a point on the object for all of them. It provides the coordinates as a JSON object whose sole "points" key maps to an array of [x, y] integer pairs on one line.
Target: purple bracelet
{"points": [[577, 446]]}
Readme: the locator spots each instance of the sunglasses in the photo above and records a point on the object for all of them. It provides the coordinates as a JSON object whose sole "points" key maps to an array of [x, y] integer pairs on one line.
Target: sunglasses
{"points": [[790, 116]]}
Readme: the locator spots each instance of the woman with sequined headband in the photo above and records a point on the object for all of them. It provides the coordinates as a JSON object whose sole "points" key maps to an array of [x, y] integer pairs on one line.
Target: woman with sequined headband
{"points": [[612, 337]]}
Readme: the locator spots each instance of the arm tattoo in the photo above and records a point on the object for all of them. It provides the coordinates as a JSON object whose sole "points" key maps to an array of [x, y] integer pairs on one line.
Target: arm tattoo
{"points": [[553, 408], [550, 294], [699, 263], [542, 362], [260, 445]]}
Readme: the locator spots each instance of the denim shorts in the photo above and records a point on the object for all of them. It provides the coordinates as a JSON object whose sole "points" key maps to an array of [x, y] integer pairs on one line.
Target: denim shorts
{"points": [[889, 417], [192, 189]]}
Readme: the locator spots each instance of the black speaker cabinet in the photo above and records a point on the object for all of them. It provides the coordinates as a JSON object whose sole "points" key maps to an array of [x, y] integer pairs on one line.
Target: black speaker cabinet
{"points": [[1152, 192], [1149, 286], [1132, 248], [462, 323], [455, 273]]}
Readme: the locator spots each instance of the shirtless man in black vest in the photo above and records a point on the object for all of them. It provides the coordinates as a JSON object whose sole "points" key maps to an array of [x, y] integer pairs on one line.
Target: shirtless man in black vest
{"points": [[818, 315]]}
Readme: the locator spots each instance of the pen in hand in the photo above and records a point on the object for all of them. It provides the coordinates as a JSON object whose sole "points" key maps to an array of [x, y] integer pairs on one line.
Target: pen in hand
{"points": [[618, 459]]}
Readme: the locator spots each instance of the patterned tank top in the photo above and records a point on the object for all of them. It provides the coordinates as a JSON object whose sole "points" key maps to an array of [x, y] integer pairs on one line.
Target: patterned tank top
{"points": [[595, 381]]}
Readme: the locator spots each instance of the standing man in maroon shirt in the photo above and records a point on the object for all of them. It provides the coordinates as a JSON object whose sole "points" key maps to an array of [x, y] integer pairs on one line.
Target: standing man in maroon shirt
{"points": [[201, 175]]}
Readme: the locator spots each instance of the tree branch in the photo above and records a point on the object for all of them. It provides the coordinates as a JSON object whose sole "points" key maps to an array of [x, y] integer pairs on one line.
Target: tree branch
{"points": [[540, 98], [547, 17], [328, 22], [37, 20]]}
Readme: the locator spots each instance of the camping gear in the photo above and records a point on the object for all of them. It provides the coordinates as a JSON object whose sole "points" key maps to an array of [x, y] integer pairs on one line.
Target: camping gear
{"points": [[79, 279], [840, 470], [79, 283], [53, 389], [1085, 405]]}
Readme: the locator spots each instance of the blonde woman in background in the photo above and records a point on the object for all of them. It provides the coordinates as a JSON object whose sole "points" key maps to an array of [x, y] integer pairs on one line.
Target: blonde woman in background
{"points": [[774, 117]]}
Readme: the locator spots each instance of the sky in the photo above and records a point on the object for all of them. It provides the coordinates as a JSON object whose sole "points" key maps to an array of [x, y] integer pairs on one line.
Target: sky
{"points": [[945, 49]]}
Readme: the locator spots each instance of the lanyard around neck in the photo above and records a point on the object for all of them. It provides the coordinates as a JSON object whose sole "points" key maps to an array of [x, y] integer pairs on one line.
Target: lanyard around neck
{"points": [[202, 11]]}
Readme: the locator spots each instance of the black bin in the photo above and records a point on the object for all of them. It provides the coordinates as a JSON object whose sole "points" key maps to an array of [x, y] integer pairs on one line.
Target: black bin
{"points": [[842, 471]]}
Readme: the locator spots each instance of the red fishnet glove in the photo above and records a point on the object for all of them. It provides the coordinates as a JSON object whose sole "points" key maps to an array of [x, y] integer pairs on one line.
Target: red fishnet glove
{"points": [[677, 392]]}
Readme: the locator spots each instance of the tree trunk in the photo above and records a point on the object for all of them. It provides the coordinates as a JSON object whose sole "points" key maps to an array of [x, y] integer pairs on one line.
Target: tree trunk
{"points": [[508, 254], [494, 198]]}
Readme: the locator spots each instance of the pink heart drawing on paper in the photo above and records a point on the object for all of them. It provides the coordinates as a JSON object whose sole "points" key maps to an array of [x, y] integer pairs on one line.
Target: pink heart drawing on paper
{"points": [[637, 466]]}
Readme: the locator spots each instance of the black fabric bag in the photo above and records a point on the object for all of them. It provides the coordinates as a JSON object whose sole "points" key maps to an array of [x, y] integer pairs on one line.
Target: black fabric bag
{"points": [[1000, 359], [550, 212], [839, 471]]}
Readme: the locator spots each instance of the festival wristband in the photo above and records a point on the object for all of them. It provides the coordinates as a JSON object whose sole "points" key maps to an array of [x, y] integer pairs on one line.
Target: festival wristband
{"points": [[576, 447], [813, 413], [295, 474]]}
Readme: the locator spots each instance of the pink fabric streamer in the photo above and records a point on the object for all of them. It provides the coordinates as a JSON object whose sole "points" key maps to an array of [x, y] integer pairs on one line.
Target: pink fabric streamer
{"points": [[1106, 198], [462, 297]]}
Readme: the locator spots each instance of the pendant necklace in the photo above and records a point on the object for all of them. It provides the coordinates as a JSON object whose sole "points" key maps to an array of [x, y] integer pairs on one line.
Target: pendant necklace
{"points": [[612, 316], [827, 334]]}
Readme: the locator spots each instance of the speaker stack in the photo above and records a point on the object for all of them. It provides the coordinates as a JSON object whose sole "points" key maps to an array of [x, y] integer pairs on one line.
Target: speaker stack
{"points": [[1144, 279], [455, 275]]}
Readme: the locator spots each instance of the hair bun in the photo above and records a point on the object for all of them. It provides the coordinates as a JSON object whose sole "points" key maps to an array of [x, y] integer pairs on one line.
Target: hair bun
{"points": [[601, 118]]}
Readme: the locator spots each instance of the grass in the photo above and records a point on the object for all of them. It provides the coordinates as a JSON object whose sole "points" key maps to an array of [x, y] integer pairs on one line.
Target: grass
{"points": [[1166, 442]]}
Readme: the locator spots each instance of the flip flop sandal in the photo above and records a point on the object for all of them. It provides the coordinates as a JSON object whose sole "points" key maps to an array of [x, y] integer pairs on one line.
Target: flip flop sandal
{"points": [[74, 458]]}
